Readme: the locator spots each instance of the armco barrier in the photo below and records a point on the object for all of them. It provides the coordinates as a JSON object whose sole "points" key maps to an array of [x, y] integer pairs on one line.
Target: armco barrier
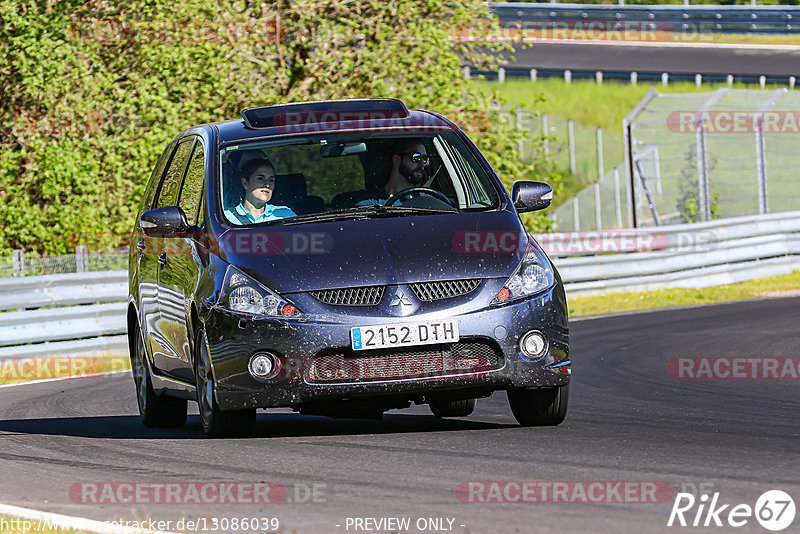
{"points": [[693, 18], [84, 313], [63, 314], [697, 255]]}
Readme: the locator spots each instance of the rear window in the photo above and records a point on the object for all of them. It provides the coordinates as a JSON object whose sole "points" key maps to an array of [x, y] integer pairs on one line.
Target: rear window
{"points": [[297, 178]]}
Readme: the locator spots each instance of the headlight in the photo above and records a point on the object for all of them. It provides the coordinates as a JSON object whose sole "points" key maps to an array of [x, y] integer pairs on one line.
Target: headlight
{"points": [[242, 294], [533, 275]]}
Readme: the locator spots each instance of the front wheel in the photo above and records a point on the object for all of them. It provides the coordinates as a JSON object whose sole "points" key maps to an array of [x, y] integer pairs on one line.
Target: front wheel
{"points": [[540, 406], [215, 422], [458, 408], [155, 411]]}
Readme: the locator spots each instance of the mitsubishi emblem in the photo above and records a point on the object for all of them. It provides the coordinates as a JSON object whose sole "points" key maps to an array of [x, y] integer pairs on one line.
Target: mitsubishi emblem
{"points": [[399, 299]]}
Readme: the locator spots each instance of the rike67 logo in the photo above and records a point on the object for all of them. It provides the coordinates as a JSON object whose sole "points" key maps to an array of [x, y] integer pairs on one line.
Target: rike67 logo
{"points": [[774, 510]]}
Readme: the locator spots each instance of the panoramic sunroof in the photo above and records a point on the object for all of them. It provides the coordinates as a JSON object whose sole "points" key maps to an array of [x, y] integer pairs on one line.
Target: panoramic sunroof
{"points": [[324, 112]]}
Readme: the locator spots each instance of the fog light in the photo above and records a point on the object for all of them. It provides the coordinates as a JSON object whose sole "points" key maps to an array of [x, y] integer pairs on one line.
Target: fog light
{"points": [[263, 366], [533, 344]]}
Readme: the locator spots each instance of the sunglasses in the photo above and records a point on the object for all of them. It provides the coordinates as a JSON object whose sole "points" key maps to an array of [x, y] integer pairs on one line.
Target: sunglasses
{"points": [[416, 157]]}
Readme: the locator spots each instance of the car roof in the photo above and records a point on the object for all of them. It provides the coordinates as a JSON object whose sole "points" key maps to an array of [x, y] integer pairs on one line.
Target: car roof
{"points": [[416, 121]]}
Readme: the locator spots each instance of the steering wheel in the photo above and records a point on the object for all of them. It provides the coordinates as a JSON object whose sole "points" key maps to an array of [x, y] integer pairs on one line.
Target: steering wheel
{"points": [[406, 194]]}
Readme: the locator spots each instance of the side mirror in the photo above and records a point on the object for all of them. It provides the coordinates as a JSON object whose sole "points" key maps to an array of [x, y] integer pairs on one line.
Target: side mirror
{"points": [[531, 196], [164, 222]]}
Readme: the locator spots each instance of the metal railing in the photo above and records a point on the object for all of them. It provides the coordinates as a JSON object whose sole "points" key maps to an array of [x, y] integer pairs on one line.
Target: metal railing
{"points": [[86, 311], [65, 314], [687, 255], [675, 18]]}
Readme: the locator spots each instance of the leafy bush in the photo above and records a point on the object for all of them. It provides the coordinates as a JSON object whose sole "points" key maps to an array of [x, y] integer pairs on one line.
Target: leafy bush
{"points": [[94, 90]]}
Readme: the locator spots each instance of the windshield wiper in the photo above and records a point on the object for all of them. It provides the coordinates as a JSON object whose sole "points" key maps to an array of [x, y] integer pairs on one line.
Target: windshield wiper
{"points": [[365, 212]]}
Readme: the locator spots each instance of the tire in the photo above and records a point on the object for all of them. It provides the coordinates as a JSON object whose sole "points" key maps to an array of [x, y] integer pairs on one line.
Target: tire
{"points": [[215, 422], [458, 408], [155, 411], [540, 406]]}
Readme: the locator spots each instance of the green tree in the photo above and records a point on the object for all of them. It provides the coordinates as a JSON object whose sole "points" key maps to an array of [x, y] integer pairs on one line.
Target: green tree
{"points": [[92, 91]]}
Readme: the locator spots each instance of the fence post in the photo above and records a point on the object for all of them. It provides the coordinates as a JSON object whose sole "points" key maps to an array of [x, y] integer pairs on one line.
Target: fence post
{"points": [[761, 151], [467, 73], [533, 75], [18, 262], [576, 218], [81, 259], [597, 213], [617, 197], [501, 75], [702, 173]]}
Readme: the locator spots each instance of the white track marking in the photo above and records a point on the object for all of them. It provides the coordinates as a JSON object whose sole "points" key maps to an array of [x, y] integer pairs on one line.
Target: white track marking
{"points": [[60, 522], [60, 378]]}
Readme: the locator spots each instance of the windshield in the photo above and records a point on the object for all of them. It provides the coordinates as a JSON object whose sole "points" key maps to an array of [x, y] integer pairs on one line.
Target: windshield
{"points": [[327, 177]]}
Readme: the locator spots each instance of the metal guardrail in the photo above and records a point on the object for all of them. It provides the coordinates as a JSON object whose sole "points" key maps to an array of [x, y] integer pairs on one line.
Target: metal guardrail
{"points": [[64, 314], [675, 18], [87, 310], [62, 290], [687, 255]]}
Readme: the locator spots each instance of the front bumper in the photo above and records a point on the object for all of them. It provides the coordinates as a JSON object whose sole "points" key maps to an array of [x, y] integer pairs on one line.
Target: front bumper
{"points": [[232, 339]]}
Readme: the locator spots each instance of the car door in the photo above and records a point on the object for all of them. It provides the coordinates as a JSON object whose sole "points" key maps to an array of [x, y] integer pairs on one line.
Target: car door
{"points": [[177, 278], [164, 358], [147, 255]]}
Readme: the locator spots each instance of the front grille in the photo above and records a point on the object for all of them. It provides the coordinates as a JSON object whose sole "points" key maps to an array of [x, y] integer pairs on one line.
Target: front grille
{"points": [[343, 365], [430, 291], [354, 296]]}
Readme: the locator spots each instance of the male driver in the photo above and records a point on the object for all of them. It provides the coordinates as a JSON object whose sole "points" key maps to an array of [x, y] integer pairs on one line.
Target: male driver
{"points": [[408, 170]]}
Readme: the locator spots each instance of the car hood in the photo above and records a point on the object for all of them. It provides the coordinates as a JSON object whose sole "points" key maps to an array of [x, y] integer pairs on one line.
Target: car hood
{"points": [[377, 251]]}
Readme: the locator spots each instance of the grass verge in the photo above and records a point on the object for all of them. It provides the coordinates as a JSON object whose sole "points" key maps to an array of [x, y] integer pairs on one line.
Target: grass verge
{"points": [[772, 286], [585, 101], [41, 368]]}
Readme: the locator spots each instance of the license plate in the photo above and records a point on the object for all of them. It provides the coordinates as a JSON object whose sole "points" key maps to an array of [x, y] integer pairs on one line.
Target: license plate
{"points": [[404, 335]]}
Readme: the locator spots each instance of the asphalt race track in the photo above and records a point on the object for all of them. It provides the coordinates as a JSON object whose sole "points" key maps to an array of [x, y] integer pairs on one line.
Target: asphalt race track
{"points": [[628, 421], [688, 60]]}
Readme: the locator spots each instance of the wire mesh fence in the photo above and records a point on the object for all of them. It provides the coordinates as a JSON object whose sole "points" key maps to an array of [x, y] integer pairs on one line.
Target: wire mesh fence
{"points": [[591, 156], [719, 154], [21, 264]]}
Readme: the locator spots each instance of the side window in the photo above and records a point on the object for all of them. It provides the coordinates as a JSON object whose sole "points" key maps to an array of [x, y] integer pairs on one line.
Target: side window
{"points": [[155, 178], [168, 192], [201, 211], [192, 188]]}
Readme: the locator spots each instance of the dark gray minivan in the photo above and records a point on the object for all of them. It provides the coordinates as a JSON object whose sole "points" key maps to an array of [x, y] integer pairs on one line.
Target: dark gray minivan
{"points": [[341, 258]]}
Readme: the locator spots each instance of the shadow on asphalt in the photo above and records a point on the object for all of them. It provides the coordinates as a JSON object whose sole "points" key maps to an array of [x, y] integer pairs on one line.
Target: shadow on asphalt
{"points": [[268, 426]]}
